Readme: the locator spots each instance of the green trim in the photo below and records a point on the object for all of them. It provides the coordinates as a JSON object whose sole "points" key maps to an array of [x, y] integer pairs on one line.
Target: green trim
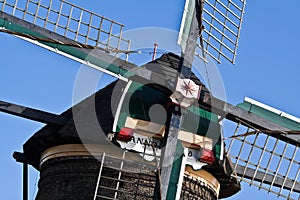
{"points": [[175, 173], [121, 121], [270, 116], [217, 151], [203, 113], [66, 49], [140, 98], [2, 22]]}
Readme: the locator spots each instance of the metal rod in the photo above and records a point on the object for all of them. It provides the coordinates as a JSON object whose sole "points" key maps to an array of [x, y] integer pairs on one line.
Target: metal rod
{"points": [[119, 39], [289, 169], [279, 165], [239, 31], [269, 151], [128, 49], [89, 29], [251, 151], [99, 32], [236, 6], [58, 16], [240, 151], [294, 183], [223, 31], [220, 42], [36, 12], [3, 4], [95, 14], [230, 3], [211, 26], [222, 14], [221, 23], [110, 33], [216, 49], [218, 30], [25, 181], [99, 176], [69, 20], [154, 51], [235, 132], [15, 6], [48, 13], [120, 174], [261, 156], [78, 27], [25, 11]]}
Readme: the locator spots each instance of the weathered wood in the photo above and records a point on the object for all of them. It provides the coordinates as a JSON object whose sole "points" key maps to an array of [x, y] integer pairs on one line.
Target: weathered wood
{"points": [[185, 66]]}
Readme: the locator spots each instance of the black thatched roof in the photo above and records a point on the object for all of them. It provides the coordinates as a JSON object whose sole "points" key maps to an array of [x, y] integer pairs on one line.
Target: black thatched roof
{"points": [[52, 135]]}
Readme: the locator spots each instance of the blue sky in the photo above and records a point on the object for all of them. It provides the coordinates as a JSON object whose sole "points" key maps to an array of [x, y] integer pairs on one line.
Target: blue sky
{"points": [[266, 70]]}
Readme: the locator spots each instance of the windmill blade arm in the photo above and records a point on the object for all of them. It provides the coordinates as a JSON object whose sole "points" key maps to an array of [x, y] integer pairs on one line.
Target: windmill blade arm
{"points": [[250, 174], [66, 47], [32, 114], [239, 115]]}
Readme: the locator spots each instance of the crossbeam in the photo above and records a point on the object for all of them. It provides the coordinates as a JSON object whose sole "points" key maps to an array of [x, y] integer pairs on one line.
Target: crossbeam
{"points": [[32, 114], [249, 173], [239, 115]]}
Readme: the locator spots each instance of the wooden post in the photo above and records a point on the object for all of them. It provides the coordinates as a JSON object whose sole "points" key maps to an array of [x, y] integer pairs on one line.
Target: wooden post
{"points": [[170, 154]]}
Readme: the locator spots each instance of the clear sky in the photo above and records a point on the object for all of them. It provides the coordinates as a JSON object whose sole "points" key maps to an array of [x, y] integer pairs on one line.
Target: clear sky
{"points": [[267, 70]]}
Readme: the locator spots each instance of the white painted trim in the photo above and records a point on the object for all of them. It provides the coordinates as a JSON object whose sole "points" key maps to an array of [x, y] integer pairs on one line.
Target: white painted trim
{"points": [[73, 58], [181, 174], [186, 6], [291, 117], [271, 109], [120, 106]]}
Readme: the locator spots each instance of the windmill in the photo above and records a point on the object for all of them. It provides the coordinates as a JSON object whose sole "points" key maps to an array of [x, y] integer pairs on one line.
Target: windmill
{"points": [[245, 168]]}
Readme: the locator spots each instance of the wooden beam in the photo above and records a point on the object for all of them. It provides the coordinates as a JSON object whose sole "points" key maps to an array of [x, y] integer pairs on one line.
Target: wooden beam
{"points": [[32, 114], [248, 173], [236, 114]]}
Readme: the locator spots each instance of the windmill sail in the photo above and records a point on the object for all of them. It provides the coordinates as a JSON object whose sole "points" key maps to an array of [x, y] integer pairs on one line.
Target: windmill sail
{"points": [[263, 159], [73, 22], [222, 22], [67, 29]]}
